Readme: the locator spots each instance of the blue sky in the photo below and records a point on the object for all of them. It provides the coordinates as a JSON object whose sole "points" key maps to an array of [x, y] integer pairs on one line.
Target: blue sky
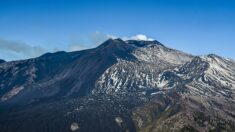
{"points": [[29, 28]]}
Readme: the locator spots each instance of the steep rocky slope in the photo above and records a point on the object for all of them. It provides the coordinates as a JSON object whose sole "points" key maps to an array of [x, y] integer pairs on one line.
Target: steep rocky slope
{"points": [[204, 103], [118, 86], [1, 61]]}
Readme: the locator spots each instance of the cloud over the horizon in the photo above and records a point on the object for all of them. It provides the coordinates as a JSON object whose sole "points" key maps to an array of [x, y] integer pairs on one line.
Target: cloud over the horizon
{"points": [[76, 47], [135, 37], [89, 41], [138, 37], [12, 50], [96, 38]]}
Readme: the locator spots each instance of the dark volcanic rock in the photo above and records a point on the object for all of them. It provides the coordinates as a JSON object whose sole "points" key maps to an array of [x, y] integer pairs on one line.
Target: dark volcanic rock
{"points": [[1, 61], [118, 86]]}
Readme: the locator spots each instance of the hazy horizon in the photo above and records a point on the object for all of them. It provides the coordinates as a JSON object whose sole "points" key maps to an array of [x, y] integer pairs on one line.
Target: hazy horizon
{"points": [[30, 28]]}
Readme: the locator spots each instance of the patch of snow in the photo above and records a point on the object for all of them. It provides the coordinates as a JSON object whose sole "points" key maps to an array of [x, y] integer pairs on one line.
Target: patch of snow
{"points": [[154, 93], [12, 93], [74, 126], [167, 107], [118, 120]]}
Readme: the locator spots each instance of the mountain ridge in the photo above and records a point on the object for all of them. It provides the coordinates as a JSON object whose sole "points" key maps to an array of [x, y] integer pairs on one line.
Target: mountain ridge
{"points": [[118, 86]]}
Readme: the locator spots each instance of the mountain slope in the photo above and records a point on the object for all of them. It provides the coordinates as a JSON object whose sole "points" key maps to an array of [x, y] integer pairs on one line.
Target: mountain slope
{"points": [[118, 86], [1, 61], [204, 103], [59, 74], [142, 73], [208, 75]]}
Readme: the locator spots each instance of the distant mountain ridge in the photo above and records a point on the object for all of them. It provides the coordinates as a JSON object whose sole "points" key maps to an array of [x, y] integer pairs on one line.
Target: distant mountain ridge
{"points": [[120, 85]]}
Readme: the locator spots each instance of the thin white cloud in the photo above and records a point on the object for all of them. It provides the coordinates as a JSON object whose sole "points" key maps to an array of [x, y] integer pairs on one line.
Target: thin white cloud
{"points": [[14, 50], [97, 38], [92, 40], [19, 50], [135, 37], [141, 37], [111, 36], [76, 47]]}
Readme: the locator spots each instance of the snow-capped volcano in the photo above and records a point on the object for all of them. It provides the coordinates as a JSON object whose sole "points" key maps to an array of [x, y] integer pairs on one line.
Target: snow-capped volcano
{"points": [[130, 85]]}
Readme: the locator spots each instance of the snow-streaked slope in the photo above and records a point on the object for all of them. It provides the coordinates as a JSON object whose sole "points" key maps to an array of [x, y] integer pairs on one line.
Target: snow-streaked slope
{"points": [[157, 53], [220, 70], [127, 76], [118, 86], [218, 79], [143, 73], [207, 75]]}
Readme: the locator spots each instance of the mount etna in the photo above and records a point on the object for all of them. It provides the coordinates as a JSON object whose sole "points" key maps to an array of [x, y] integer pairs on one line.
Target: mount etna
{"points": [[119, 86]]}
